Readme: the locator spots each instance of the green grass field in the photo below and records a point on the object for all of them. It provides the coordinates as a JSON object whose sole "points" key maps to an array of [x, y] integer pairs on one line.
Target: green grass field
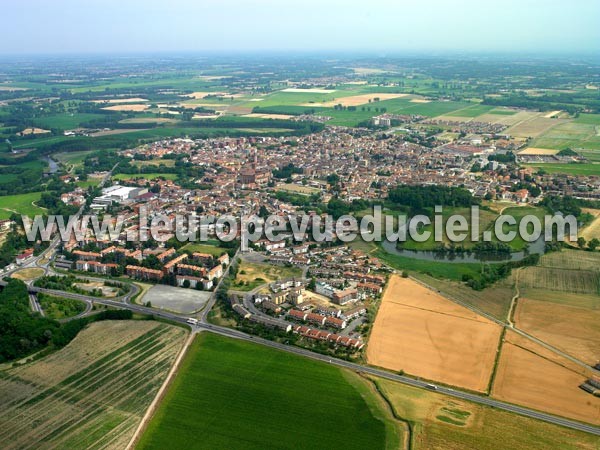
{"points": [[90, 182], [297, 98], [472, 111], [494, 300], [569, 169], [8, 177], [519, 212], [75, 158], [194, 247], [394, 106], [21, 203], [65, 121], [502, 112], [288, 103], [582, 133], [451, 271], [590, 119], [235, 394], [486, 219]]}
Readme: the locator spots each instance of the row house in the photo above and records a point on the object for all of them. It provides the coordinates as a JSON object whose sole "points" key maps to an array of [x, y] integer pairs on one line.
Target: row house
{"points": [[162, 257], [280, 259], [317, 319], [188, 269], [300, 260], [215, 272], [143, 273], [369, 288], [95, 266], [328, 312], [297, 315], [335, 322], [86, 256], [170, 266], [332, 338], [354, 312], [364, 278], [270, 306], [202, 257]]}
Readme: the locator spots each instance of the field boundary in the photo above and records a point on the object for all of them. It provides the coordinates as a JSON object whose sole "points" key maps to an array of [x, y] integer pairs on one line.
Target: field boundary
{"points": [[496, 362], [161, 392], [408, 425]]}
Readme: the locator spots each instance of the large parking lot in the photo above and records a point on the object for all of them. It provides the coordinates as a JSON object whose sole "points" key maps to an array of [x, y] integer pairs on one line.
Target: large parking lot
{"points": [[179, 300]]}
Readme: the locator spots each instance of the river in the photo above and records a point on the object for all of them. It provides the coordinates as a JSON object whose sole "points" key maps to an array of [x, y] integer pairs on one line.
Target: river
{"points": [[537, 246], [52, 165]]}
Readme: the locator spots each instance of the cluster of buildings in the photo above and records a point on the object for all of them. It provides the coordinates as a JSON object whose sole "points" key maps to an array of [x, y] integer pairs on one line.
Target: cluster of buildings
{"points": [[190, 270], [591, 385], [317, 319], [315, 334], [326, 336], [237, 174]]}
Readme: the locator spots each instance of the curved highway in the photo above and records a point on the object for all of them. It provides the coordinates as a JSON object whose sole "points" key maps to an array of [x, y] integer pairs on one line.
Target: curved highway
{"points": [[203, 325]]}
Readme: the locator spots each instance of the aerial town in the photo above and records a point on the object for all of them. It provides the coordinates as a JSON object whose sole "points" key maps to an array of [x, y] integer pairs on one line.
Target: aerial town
{"points": [[281, 225]]}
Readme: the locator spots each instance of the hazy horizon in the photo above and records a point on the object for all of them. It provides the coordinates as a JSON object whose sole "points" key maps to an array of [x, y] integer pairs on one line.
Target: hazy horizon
{"points": [[37, 27]]}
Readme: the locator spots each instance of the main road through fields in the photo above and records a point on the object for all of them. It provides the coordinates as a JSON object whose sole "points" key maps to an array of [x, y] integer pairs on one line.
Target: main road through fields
{"points": [[204, 326]]}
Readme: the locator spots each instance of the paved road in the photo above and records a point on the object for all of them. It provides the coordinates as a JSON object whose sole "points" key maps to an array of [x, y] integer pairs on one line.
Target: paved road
{"points": [[203, 325], [405, 380], [35, 306]]}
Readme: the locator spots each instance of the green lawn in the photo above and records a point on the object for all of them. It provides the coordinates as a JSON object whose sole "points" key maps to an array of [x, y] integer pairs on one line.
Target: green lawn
{"points": [[590, 119], [519, 212], [231, 394], [570, 169], [443, 422], [75, 158], [472, 111], [590, 155], [90, 182], [486, 218], [451, 271], [21, 203], [393, 106], [204, 248], [502, 112], [297, 98], [574, 134], [8, 177]]}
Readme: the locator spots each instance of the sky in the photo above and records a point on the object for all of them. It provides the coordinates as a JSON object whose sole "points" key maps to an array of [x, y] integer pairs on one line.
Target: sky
{"points": [[147, 26]]}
